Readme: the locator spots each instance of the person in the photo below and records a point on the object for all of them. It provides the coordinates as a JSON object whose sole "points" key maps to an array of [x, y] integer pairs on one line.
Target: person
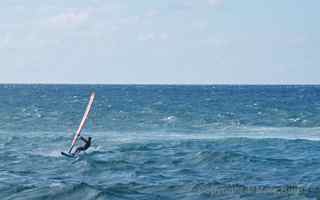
{"points": [[84, 147]]}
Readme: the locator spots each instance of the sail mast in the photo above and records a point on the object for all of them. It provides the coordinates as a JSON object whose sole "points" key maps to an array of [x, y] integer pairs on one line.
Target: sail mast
{"points": [[83, 121]]}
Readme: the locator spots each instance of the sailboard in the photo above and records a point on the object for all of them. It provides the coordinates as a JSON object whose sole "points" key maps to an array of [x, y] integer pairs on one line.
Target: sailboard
{"points": [[81, 126]]}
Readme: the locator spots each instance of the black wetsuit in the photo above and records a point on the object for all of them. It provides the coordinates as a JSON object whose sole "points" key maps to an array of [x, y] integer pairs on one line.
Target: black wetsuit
{"points": [[84, 147]]}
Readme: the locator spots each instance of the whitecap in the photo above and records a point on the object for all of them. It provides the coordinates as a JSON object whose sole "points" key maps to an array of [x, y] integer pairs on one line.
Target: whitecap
{"points": [[170, 119], [47, 153]]}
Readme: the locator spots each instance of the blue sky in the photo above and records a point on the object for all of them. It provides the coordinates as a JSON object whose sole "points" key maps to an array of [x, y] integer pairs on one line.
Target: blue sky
{"points": [[163, 41]]}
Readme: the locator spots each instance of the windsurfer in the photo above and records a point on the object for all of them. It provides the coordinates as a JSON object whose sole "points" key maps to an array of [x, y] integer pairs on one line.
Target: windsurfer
{"points": [[84, 147]]}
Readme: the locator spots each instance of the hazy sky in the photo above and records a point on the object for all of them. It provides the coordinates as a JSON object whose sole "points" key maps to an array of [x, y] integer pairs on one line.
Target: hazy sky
{"points": [[160, 41]]}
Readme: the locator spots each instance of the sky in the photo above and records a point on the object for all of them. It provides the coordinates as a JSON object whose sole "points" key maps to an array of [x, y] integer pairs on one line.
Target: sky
{"points": [[160, 41]]}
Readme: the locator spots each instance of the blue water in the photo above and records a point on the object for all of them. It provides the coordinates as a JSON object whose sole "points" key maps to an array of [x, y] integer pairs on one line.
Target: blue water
{"points": [[161, 142]]}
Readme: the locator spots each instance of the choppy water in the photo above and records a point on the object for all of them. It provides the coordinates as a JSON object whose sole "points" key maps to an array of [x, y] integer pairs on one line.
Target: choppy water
{"points": [[161, 142]]}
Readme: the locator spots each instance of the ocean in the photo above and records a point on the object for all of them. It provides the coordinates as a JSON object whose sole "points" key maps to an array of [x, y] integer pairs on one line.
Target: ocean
{"points": [[161, 142]]}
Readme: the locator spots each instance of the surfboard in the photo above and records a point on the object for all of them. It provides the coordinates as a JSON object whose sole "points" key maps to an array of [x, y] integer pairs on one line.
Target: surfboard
{"points": [[68, 155], [81, 126]]}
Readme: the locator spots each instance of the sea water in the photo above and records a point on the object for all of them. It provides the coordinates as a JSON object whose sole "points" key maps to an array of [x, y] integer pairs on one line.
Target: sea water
{"points": [[161, 142]]}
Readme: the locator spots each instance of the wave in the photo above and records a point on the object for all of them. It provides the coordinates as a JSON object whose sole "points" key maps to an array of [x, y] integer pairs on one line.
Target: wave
{"points": [[287, 133], [196, 189], [230, 158], [46, 153], [112, 137], [56, 191]]}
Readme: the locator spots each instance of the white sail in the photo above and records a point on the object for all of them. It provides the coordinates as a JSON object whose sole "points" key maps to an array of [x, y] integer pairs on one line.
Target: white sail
{"points": [[83, 121]]}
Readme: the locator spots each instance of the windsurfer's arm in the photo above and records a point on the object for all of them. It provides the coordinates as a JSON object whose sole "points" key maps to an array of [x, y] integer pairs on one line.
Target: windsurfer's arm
{"points": [[83, 139]]}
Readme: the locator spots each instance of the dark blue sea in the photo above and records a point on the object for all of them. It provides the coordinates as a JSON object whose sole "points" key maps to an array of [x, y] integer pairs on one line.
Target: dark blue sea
{"points": [[161, 142]]}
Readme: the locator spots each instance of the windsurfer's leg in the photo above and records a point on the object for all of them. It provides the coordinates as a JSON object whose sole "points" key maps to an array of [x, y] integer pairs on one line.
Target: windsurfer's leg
{"points": [[78, 150]]}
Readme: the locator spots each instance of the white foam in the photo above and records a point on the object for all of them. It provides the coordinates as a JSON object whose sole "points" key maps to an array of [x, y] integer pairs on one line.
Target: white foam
{"points": [[47, 153], [272, 132], [291, 133], [170, 119], [57, 185]]}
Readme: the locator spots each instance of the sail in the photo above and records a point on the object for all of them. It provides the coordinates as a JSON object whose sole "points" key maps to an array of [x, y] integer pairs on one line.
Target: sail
{"points": [[83, 121]]}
